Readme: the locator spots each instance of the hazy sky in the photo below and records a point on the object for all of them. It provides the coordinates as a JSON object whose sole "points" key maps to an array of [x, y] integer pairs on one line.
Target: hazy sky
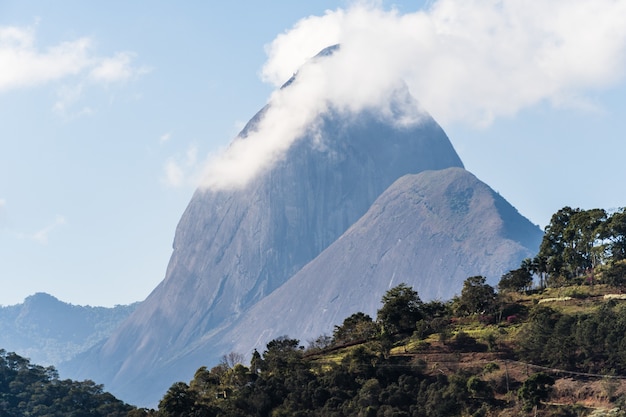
{"points": [[111, 114]]}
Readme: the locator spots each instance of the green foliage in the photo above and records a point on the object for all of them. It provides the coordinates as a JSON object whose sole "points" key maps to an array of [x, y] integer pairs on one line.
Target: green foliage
{"points": [[519, 280], [588, 342], [535, 389], [400, 311], [615, 233], [615, 273], [179, 401], [358, 326], [363, 370], [281, 353], [32, 390], [576, 241], [477, 297]]}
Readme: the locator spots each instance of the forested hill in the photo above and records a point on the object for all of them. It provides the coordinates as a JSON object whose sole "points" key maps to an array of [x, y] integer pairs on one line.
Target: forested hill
{"points": [[549, 340], [36, 391]]}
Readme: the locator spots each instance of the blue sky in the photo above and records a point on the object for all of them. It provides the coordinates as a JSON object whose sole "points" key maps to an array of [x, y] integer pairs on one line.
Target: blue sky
{"points": [[109, 111]]}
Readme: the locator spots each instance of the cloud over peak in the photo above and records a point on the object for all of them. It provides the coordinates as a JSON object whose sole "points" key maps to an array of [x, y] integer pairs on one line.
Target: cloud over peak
{"points": [[469, 60], [465, 61]]}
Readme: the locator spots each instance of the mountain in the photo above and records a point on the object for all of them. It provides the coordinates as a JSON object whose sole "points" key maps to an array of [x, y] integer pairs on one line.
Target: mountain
{"points": [[430, 230], [233, 248], [247, 258], [49, 331]]}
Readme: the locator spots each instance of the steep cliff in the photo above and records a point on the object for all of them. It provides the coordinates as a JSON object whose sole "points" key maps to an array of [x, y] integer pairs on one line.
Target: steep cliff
{"points": [[430, 230], [234, 247]]}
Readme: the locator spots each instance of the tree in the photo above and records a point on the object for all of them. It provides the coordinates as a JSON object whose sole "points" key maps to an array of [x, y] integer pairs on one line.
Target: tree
{"points": [[535, 389], [178, 401], [519, 279], [615, 233], [256, 363], [358, 326], [400, 311], [553, 242], [282, 355], [539, 266], [572, 242], [615, 274], [583, 249], [232, 359], [477, 297]]}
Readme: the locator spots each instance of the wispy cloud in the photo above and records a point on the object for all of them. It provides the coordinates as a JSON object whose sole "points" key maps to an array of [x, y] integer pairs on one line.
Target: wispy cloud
{"points": [[41, 235], [117, 68], [466, 61], [67, 97], [25, 64], [182, 170], [165, 137]]}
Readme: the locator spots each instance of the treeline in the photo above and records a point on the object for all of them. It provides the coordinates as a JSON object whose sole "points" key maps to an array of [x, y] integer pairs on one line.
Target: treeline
{"points": [[32, 390], [369, 368], [576, 242], [288, 379], [378, 367], [375, 368]]}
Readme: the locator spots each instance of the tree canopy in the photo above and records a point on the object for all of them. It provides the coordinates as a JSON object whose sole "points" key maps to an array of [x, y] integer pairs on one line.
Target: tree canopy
{"points": [[400, 311], [33, 390]]}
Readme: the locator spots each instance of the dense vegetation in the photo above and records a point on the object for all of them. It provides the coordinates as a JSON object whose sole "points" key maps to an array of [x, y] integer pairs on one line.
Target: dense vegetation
{"points": [[486, 352], [32, 390], [551, 338]]}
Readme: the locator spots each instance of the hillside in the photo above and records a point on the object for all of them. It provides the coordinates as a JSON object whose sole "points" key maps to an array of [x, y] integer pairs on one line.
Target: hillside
{"points": [[49, 331], [551, 339], [452, 363], [27, 389]]}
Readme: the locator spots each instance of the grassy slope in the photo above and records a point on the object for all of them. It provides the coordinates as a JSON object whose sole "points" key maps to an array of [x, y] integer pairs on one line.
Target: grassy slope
{"points": [[494, 360]]}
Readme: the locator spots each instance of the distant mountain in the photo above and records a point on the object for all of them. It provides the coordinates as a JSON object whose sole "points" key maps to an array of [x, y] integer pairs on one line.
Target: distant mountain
{"points": [[310, 220], [49, 331]]}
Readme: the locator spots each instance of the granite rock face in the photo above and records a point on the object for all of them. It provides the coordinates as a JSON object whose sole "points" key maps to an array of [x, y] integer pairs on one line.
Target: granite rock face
{"points": [[234, 248], [355, 206], [430, 230]]}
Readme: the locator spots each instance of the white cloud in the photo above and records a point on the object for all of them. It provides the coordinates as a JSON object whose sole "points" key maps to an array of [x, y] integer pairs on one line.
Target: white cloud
{"points": [[165, 137], [182, 170], [466, 61], [67, 97], [25, 64], [117, 68], [174, 175], [41, 236]]}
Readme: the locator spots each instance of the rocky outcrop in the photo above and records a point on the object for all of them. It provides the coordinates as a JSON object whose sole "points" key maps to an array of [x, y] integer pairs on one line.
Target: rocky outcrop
{"points": [[233, 248], [430, 230]]}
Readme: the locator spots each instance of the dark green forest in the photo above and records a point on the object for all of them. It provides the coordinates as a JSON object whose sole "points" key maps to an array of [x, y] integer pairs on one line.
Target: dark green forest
{"points": [[549, 339], [32, 390]]}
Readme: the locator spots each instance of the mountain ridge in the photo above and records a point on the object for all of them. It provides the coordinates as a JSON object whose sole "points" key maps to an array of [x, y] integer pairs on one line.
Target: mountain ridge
{"points": [[398, 214], [235, 247], [50, 331]]}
